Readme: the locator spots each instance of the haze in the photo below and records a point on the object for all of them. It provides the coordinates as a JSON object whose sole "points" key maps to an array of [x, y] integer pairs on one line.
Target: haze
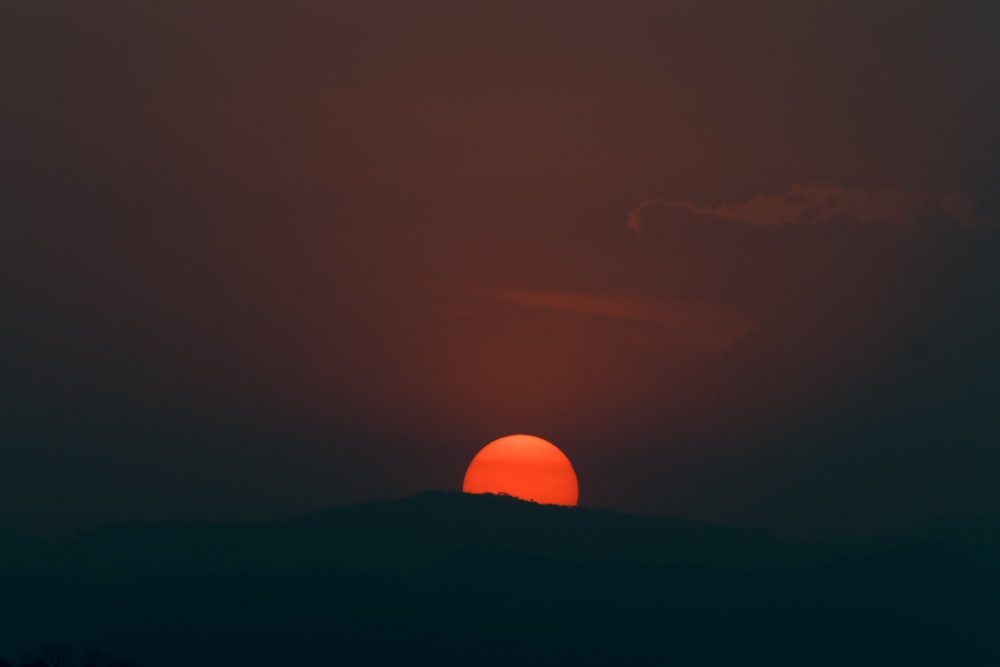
{"points": [[737, 260]]}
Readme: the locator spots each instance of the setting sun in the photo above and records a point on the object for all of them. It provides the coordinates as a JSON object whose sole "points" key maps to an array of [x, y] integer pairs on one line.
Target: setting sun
{"points": [[526, 467]]}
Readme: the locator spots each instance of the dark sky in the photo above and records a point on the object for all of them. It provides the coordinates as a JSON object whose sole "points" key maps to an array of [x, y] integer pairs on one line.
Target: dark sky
{"points": [[738, 260]]}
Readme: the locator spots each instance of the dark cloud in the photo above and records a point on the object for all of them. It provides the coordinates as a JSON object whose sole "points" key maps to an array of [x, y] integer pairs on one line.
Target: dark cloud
{"points": [[866, 388]]}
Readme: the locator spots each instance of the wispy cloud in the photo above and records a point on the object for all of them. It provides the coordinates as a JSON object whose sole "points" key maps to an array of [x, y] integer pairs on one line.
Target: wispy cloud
{"points": [[689, 326], [825, 203]]}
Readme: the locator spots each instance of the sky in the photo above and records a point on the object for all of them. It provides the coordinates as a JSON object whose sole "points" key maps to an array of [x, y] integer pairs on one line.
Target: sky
{"points": [[737, 260]]}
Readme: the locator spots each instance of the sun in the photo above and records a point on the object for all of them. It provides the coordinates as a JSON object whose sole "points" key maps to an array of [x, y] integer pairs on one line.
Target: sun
{"points": [[526, 467]]}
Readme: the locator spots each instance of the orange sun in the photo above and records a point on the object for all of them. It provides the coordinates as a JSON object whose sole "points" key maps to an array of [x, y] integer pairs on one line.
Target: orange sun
{"points": [[525, 467]]}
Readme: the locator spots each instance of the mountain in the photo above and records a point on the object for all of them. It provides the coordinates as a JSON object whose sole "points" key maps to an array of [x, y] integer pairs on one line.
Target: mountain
{"points": [[410, 534], [459, 579]]}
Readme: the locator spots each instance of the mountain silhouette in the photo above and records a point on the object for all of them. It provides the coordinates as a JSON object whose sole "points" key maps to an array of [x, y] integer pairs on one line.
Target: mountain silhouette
{"points": [[453, 578], [409, 534]]}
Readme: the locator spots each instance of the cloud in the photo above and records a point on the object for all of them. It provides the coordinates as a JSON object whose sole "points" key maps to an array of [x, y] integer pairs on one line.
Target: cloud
{"points": [[691, 326], [826, 203]]}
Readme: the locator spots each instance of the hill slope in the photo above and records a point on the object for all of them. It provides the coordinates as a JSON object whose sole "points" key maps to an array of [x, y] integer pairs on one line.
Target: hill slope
{"points": [[461, 579]]}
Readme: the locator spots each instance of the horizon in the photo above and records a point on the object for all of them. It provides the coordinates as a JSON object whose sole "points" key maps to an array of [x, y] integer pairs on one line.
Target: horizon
{"points": [[915, 531]]}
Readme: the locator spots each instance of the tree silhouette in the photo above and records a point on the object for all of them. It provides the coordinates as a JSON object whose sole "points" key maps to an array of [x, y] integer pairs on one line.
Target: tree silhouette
{"points": [[95, 658], [56, 655], [100, 659], [62, 655]]}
